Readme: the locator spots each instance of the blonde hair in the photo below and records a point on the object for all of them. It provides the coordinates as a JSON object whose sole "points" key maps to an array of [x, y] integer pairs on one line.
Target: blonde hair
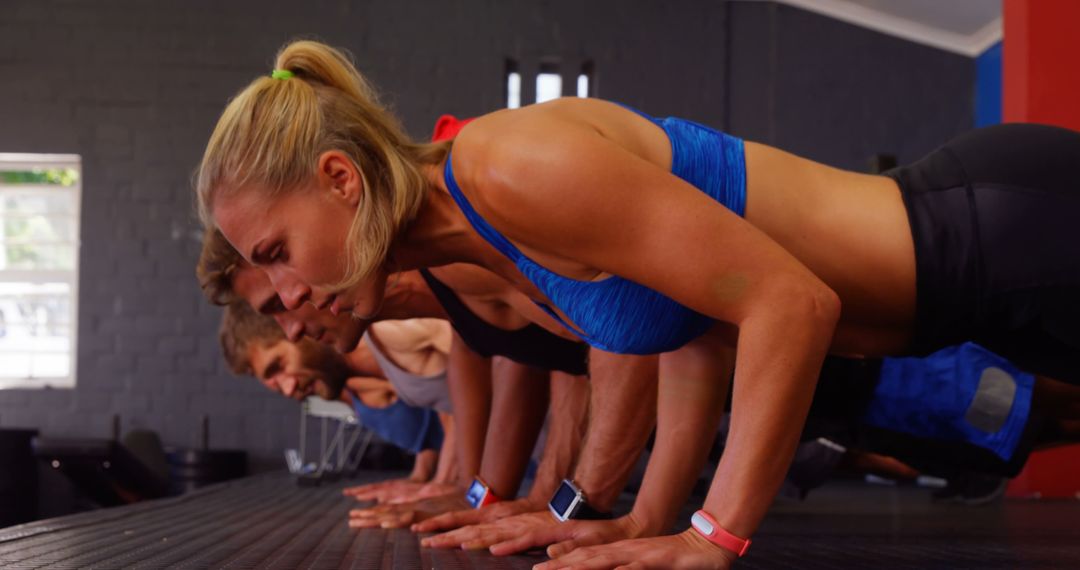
{"points": [[272, 133]]}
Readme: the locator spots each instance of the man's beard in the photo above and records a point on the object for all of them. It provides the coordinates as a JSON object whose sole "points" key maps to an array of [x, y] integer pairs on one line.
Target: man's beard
{"points": [[329, 364]]}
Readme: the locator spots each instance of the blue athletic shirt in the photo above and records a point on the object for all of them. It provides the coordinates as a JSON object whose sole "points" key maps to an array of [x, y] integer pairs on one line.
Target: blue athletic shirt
{"points": [[616, 314]]}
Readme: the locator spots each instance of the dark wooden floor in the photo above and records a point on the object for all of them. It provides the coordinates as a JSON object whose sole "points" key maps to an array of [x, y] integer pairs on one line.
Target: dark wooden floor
{"points": [[269, 522], [854, 525], [259, 522]]}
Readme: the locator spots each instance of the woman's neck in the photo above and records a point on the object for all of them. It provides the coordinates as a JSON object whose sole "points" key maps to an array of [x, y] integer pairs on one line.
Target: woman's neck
{"points": [[440, 234]]}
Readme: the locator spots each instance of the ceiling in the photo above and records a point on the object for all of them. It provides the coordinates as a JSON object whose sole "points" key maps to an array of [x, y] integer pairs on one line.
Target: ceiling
{"points": [[966, 27]]}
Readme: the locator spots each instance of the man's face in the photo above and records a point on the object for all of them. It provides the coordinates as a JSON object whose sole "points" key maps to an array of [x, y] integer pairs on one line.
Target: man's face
{"points": [[343, 331], [298, 370]]}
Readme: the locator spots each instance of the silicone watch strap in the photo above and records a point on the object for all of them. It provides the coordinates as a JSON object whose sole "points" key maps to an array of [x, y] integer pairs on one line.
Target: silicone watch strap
{"points": [[707, 526]]}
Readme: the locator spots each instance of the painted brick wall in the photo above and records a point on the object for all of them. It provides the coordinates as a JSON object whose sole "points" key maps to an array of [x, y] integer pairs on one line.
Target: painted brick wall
{"points": [[838, 93], [135, 87]]}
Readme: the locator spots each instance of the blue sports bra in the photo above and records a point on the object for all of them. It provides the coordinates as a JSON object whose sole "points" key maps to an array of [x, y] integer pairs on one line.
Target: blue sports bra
{"points": [[616, 314]]}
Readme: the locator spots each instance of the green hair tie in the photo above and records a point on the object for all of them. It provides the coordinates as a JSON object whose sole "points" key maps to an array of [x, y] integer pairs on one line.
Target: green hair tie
{"points": [[282, 74]]}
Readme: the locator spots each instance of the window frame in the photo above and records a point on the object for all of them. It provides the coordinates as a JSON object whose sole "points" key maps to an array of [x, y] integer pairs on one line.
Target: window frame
{"points": [[27, 161]]}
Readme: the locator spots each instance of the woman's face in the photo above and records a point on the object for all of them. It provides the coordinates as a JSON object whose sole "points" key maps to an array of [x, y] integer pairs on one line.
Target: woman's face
{"points": [[299, 238]]}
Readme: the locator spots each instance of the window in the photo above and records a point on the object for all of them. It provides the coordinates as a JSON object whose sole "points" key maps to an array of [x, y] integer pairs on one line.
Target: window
{"points": [[548, 81], [39, 269], [584, 80], [582, 85], [513, 85]]}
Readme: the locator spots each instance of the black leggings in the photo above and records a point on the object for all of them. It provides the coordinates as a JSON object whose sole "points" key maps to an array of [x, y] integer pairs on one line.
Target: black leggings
{"points": [[995, 217]]}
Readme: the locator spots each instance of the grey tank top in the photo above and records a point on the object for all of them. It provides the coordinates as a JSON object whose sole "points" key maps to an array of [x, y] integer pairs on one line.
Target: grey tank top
{"points": [[418, 391]]}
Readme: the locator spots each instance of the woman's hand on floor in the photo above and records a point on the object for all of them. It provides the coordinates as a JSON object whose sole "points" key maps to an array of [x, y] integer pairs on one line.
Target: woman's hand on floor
{"points": [[687, 550], [536, 530], [401, 515], [488, 514], [399, 491], [375, 491]]}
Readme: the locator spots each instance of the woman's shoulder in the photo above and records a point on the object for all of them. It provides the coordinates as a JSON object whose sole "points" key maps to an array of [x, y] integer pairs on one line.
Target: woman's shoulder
{"points": [[491, 131], [495, 133], [498, 157]]}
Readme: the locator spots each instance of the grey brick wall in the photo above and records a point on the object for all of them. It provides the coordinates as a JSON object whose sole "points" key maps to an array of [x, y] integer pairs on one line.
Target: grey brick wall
{"points": [[838, 93], [135, 87]]}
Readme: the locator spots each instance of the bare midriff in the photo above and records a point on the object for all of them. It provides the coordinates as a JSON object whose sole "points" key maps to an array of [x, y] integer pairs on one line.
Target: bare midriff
{"points": [[850, 229]]}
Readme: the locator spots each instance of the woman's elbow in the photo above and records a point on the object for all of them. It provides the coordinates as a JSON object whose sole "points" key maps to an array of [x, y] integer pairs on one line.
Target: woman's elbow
{"points": [[826, 305], [805, 300]]}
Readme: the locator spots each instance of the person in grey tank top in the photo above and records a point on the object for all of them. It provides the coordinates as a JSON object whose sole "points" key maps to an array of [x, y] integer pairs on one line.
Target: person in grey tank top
{"points": [[254, 344], [413, 355]]}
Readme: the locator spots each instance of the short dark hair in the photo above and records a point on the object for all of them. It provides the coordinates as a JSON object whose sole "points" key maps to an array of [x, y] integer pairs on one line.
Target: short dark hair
{"points": [[241, 328]]}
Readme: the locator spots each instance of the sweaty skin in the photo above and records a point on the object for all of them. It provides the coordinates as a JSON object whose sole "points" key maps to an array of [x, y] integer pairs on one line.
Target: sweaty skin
{"points": [[492, 300], [811, 210], [607, 460], [678, 454], [814, 239]]}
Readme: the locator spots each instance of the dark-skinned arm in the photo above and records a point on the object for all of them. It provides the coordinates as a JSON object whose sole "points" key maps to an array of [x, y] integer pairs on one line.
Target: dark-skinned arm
{"points": [[447, 471], [567, 416], [520, 403], [622, 414], [568, 421], [424, 465]]}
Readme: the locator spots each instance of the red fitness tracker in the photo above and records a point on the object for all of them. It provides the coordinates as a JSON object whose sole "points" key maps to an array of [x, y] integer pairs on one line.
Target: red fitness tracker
{"points": [[479, 494], [714, 533]]}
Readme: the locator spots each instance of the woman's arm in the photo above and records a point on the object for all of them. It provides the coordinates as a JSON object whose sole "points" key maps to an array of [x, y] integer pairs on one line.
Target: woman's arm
{"points": [[693, 386], [561, 192], [779, 356]]}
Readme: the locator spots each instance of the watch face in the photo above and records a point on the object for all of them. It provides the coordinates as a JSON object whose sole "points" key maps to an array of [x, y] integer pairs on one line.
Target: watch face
{"points": [[476, 492], [702, 524], [563, 500]]}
